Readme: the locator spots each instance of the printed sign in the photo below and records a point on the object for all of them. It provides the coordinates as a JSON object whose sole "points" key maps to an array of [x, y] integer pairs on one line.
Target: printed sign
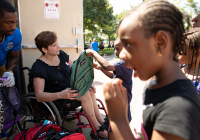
{"points": [[52, 9]]}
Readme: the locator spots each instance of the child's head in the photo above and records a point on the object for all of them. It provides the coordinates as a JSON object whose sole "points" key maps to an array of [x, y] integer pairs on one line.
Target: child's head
{"points": [[191, 55], [195, 20], [152, 36], [118, 46]]}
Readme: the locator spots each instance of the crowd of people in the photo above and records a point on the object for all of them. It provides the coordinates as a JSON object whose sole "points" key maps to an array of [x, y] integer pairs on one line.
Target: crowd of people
{"points": [[152, 44]]}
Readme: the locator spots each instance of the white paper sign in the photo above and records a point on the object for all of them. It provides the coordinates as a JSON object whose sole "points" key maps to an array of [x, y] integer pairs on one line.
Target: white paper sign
{"points": [[52, 9]]}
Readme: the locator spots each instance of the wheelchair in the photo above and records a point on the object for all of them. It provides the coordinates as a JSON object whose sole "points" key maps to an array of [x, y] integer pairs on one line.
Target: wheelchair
{"points": [[33, 112]]}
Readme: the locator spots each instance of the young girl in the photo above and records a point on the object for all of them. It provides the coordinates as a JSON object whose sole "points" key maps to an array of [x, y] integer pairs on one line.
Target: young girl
{"points": [[192, 57], [152, 36]]}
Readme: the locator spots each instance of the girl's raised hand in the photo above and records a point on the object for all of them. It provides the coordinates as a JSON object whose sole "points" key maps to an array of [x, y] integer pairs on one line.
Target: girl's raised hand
{"points": [[116, 99], [89, 52]]}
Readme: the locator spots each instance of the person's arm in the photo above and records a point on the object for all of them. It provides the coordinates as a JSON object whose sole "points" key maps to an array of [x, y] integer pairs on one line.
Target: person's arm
{"points": [[42, 96], [116, 99], [107, 73], [11, 64], [103, 62], [12, 60]]}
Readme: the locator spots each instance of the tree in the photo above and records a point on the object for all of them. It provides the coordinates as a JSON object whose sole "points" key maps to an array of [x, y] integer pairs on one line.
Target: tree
{"points": [[110, 29], [193, 5], [120, 16], [97, 13], [187, 6]]}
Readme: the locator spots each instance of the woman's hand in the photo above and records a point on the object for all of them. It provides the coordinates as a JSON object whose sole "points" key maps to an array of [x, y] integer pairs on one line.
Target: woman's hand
{"points": [[116, 99], [68, 94], [93, 88]]}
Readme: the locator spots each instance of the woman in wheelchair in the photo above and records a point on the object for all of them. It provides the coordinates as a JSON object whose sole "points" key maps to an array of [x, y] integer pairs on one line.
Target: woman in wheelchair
{"points": [[51, 80]]}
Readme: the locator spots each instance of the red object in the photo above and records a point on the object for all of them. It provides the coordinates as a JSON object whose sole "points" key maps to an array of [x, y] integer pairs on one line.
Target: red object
{"points": [[31, 132], [75, 136], [56, 5], [46, 4]]}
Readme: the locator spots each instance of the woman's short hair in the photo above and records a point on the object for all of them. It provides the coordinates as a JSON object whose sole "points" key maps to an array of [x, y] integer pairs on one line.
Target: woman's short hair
{"points": [[44, 39]]}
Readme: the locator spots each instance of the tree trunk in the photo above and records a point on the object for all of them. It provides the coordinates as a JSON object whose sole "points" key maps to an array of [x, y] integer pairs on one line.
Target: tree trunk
{"points": [[109, 39], [83, 37]]}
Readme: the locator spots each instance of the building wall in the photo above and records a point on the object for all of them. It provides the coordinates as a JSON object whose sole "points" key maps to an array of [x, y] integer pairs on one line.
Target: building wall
{"points": [[32, 22]]}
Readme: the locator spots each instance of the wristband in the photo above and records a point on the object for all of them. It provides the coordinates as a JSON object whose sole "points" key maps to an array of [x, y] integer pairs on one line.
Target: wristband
{"points": [[10, 72]]}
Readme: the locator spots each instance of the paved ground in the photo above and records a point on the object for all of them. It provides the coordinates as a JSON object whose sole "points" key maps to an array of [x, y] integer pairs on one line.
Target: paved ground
{"points": [[99, 80]]}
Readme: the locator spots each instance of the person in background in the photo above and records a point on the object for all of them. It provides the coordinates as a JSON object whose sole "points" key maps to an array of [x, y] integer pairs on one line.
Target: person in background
{"points": [[118, 71], [90, 44], [152, 36], [190, 60], [195, 20], [109, 46], [10, 41], [113, 46], [95, 45]]}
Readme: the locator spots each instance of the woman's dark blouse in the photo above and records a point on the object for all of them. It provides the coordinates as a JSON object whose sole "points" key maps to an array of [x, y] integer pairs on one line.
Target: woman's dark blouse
{"points": [[57, 78]]}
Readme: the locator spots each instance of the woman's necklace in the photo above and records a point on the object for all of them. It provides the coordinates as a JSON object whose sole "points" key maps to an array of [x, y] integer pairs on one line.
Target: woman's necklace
{"points": [[2, 40]]}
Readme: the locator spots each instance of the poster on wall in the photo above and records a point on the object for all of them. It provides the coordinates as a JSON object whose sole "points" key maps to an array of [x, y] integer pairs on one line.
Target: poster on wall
{"points": [[52, 9]]}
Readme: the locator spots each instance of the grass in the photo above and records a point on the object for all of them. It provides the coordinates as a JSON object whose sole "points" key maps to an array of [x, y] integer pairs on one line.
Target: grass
{"points": [[106, 51]]}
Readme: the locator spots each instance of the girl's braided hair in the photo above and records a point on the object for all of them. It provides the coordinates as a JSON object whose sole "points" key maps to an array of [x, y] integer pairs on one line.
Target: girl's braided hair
{"points": [[158, 15], [192, 38]]}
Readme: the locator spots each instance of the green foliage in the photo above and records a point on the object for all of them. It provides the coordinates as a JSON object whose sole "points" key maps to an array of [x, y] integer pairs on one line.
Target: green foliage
{"points": [[106, 51], [120, 16], [96, 13], [193, 5], [110, 30], [187, 6]]}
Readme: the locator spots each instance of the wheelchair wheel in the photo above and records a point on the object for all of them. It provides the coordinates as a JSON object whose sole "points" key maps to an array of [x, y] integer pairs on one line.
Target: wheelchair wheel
{"points": [[33, 112]]}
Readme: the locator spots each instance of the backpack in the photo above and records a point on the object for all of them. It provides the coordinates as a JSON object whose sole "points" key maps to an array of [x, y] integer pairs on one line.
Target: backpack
{"points": [[75, 136], [38, 132], [48, 132], [82, 74], [11, 105]]}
